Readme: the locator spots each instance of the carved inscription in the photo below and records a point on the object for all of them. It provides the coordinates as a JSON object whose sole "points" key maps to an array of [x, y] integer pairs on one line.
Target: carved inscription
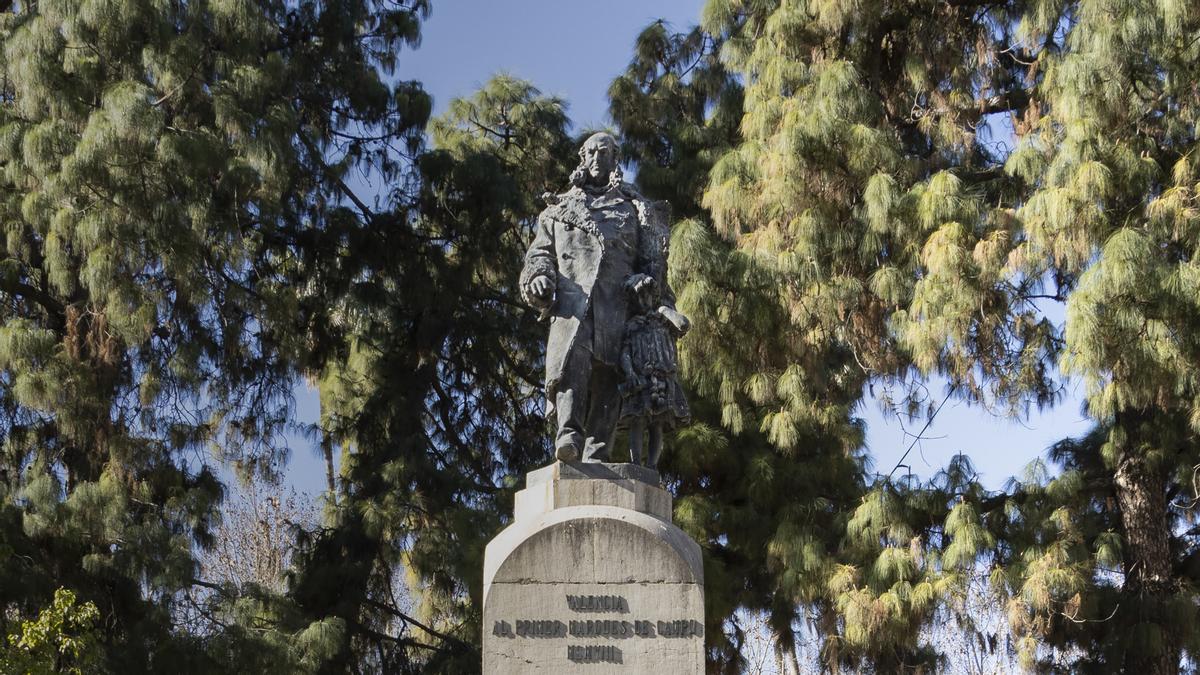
{"points": [[593, 654], [597, 603], [606, 629], [541, 629], [612, 629], [683, 628]]}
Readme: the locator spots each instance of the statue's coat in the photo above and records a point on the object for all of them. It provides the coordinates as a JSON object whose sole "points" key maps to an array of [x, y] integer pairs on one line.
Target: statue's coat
{"points": [[591, 244]]}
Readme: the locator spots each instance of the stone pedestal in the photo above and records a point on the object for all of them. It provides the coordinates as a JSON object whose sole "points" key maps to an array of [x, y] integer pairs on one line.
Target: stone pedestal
{"points": [[592, 577]]}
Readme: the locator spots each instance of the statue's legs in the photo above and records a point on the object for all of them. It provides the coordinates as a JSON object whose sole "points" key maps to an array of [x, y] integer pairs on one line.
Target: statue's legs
{"points": [[656, 442], [587, 410], [588, 404], [569, 440], [636, 428], [604, 409]]}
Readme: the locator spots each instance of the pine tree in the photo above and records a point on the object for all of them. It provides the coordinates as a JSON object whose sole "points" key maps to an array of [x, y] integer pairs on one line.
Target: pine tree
{"points": [[171, 193], [1102, 566], [850, 237], [183, 241], [678, 109], [435, 395], [864, 232]]}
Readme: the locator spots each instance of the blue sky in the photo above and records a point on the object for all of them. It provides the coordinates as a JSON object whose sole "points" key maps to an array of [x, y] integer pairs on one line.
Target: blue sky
{"points": [[568, 48], [573, 49]]}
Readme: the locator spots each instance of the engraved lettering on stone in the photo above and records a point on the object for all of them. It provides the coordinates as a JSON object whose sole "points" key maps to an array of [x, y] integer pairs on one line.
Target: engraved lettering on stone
{"points": [[598, 603], [593, 654], [541, 628], [599, 628], [681, 629], [644, 629], [602, 628]]}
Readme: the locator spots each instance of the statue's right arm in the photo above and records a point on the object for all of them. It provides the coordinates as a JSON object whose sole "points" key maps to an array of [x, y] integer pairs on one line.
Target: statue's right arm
{"points": [[540, 261]]}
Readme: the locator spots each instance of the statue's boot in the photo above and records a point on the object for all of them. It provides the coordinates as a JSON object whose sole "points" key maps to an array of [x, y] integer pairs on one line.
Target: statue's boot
{"points": [[596, 451], [566, 447]]}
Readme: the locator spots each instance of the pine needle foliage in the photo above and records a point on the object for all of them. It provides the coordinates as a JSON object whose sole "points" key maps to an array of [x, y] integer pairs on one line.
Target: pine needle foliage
{"points": [[864, 230], [171, 189], [434, 396], [855, 231], [678, 109], [1105, 572], [184, 239]]}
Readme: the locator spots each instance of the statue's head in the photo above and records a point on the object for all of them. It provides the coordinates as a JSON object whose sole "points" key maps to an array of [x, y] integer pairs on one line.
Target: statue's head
{"points": [[598, 162]]}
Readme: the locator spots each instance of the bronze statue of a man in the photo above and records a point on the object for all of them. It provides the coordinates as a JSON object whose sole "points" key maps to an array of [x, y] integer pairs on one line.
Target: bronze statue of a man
{"points": [[595, 243]]}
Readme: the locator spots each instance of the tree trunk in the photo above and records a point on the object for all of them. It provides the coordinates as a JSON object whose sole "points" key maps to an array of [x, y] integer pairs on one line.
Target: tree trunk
{"points": [[785, 659], [793, 663], [1141, 489], [327, 451]]}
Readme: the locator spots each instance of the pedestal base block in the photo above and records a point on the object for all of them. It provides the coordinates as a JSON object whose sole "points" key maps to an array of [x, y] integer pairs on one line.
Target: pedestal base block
{"points": [[592, 577]]}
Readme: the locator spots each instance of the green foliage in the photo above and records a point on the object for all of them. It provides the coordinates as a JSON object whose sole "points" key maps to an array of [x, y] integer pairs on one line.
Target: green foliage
{"points": [[62, 639], [678, 109], [182, 242], [171, 188], [1105, 548], [434, 391], [854, 238], [862, 231], [1066, 570]]}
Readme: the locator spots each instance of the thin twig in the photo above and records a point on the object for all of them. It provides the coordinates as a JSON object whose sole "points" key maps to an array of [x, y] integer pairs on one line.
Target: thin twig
{"points": [[921, 432]]}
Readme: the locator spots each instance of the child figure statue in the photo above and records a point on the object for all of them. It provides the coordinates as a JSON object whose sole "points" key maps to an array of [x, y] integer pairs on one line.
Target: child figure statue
{"points": [[651, 395]]}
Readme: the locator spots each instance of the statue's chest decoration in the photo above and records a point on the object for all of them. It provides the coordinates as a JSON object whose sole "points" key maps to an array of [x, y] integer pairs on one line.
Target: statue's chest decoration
{"points": [[606, 218], [613, 213]]}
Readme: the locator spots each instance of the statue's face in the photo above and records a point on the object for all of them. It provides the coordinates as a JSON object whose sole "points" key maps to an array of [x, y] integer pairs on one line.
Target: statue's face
{"points": [[599, 158]]}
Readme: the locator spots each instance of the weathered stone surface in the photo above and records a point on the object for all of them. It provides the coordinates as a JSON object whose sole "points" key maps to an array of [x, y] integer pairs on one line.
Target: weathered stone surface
{"points": [[624, 485], [592, 577], [578, 470]]}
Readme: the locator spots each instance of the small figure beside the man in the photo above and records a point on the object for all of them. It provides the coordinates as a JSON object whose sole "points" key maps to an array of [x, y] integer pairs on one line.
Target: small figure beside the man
{"points": [[652, 399]]}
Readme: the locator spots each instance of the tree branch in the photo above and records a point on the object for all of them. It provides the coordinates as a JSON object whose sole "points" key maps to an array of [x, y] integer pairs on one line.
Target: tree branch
{"points": [[41, 297], [319, 158], [409, 620], [1013, 100]]}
